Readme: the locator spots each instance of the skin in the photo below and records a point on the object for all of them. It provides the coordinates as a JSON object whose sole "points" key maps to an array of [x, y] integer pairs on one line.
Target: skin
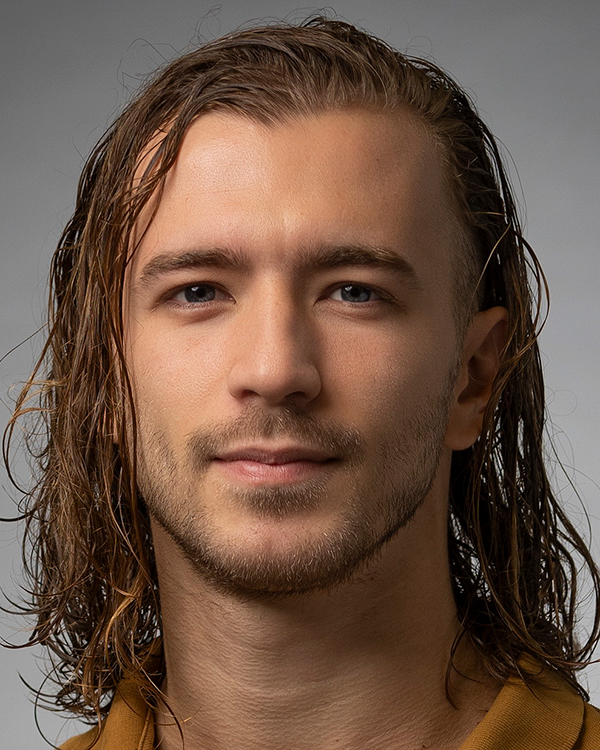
{"points": [[262, 651]]}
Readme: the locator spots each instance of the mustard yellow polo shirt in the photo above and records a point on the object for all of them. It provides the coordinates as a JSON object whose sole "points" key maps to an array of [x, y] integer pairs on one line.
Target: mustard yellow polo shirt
{"points": [[554, 717]]}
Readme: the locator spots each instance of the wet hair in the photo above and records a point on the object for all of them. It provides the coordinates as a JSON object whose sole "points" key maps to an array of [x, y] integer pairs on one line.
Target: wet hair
{"points": [[514, 554]]}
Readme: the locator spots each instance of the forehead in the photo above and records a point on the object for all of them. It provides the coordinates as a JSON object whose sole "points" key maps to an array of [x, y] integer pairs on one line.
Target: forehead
{"points": [[337, 178]]}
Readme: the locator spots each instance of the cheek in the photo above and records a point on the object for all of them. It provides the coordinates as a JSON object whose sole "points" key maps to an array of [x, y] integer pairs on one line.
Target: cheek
{"points": [[387, 376], [175, 377]]}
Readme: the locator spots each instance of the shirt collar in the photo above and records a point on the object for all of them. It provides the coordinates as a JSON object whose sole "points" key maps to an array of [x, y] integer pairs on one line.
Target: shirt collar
{"points": [[546, 714]]}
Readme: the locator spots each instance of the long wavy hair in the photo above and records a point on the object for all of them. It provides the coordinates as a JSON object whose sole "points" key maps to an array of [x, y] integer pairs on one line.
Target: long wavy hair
{"points": [[88, 553]]}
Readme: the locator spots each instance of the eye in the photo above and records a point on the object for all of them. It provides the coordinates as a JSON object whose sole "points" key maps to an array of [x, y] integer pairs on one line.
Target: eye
{"points": [[355, 293], [197, 294]]}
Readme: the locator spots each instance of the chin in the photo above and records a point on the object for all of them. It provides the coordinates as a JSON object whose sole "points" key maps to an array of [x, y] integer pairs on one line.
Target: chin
{"points": [[274, 554]]}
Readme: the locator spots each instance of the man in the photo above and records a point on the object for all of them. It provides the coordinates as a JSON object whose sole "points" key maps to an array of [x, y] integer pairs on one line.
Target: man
{"points": [[293, 492]]}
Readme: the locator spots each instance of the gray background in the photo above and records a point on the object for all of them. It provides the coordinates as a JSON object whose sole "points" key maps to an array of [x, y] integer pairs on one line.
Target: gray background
{"points": [[67, 67]]}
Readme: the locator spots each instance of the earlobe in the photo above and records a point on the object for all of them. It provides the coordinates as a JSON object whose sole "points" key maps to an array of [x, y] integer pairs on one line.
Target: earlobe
{"points": [[483, 348]]}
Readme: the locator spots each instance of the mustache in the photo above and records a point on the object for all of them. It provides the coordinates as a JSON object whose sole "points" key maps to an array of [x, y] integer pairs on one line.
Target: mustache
{"points": [[284, 423]]}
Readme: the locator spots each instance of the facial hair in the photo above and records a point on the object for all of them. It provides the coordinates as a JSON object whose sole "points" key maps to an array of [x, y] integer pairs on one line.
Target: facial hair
{"points": [[383, 496]]}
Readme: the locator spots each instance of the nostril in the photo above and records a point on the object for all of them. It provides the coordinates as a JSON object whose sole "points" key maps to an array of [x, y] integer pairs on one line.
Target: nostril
{"points": [[273, 384]]}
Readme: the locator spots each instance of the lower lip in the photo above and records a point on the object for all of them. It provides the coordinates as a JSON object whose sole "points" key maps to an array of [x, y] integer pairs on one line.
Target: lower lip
{"points": [[261, 473]]}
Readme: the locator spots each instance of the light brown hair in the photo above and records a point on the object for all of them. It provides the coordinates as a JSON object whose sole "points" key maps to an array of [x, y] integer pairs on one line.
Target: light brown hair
{"points": [[514, 554]]}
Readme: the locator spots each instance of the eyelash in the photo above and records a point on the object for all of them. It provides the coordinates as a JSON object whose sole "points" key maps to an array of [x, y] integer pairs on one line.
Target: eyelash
{"points": [[192, 286], [382, 295]]}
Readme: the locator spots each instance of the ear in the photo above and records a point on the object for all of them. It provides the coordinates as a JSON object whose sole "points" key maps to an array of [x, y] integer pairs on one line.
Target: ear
{"points": [[483, 347]]}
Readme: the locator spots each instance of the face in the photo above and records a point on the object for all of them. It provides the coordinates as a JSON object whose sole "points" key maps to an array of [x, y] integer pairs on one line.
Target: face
{"points": [[292, 345]]}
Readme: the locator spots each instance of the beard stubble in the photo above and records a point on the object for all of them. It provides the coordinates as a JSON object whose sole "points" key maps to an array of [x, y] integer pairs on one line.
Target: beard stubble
{"points": [[378, 505]]}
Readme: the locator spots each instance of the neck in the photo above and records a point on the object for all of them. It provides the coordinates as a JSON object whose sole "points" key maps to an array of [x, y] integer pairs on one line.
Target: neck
{"points": [[363, 665]]}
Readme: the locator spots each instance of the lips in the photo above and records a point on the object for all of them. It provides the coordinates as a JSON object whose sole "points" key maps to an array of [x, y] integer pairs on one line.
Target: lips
{"points": [[274, 456], [258, 464]]}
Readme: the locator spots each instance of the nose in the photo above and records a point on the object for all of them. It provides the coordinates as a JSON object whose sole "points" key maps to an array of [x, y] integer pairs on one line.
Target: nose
{"points": [[274, 354]]}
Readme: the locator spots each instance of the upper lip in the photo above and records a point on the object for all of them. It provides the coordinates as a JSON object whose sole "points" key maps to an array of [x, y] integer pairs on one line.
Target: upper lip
{"points": [[274, 455]]}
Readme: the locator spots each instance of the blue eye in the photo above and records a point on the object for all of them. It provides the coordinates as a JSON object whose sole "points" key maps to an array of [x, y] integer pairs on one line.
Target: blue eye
{"points": [[197, 293], [355, 293]]}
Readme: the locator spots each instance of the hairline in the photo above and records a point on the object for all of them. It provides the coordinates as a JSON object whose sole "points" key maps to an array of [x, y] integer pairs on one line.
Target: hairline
{"points": [[464, 263]]}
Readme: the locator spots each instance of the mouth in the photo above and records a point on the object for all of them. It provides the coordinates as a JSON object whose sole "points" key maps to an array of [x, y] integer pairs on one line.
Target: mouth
{"points": [[264, 465]]}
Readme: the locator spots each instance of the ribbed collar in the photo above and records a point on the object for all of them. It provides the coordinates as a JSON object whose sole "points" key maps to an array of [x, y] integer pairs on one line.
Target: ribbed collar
{"points": [[547, 715]]}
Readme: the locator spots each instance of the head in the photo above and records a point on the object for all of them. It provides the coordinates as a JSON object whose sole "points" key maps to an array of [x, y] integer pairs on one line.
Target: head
{"points": [[242, 333], [263, 110]]}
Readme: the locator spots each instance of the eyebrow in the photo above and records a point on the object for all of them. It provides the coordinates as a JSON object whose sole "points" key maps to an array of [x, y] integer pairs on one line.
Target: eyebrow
{"points": [[309, 260], [165, 263]]}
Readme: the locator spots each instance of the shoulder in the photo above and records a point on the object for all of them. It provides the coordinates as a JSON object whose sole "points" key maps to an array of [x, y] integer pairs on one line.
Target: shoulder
{"points": [[128, 726], [544, 714], [589, 738], [83, 741]]}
